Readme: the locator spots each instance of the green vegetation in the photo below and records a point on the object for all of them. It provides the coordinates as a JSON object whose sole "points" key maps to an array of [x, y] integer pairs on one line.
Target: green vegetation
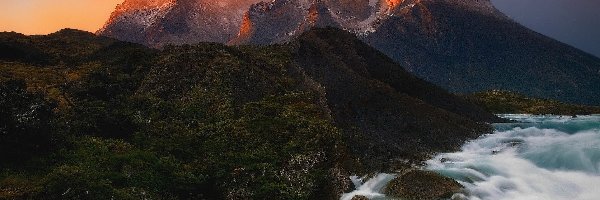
{"points": [[91, 118], [25, 122], [503, 102]]}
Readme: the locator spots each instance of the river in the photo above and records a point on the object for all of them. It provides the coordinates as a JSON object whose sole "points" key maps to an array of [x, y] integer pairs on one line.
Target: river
{"points": [[535, 158]]}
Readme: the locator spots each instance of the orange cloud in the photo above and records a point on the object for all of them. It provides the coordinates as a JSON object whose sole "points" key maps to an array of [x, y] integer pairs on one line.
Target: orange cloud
{"points": [[47, 16]]}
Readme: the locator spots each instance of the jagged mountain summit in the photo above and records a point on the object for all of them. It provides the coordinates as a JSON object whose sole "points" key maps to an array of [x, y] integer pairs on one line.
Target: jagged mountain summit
{"points": [[158, 22], [462, 45]]}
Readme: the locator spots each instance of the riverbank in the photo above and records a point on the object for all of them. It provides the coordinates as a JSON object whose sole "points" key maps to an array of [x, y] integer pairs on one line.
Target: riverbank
{"points": [[499, 102]]}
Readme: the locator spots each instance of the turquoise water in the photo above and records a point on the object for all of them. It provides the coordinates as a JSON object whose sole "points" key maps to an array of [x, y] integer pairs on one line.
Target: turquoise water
{"points": [[537, 157]]}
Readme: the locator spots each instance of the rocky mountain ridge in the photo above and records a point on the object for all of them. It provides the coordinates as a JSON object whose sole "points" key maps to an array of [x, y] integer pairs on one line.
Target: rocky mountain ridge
{"points": [[241, 22], [159, 22]]}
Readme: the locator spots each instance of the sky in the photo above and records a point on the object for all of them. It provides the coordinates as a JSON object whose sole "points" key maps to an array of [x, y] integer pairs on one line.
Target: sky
{"points": [[575, 22], [47, 16]]}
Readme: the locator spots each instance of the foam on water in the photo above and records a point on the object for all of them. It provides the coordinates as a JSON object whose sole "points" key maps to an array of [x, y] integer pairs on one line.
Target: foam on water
{"points": [[371, 189], [539, 157]]}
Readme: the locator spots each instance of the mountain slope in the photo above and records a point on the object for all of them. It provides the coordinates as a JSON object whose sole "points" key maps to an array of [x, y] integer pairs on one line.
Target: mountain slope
{"points": [[113, 119], [388, 110], [470, 50]]}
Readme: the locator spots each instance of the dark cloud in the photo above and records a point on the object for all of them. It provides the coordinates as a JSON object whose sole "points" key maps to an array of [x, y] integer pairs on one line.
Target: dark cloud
{"points": [[575, 22]]}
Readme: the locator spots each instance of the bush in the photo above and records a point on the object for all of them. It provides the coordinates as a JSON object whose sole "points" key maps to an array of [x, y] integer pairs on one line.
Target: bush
{"points": [[25, 122]]}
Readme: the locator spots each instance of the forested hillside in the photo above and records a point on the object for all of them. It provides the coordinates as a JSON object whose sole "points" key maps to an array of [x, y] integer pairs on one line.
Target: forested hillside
{"points": [[87, 117]]}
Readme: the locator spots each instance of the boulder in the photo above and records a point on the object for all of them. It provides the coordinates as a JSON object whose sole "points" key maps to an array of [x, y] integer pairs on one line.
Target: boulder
{"points": [[422, 185], [359, 197]]}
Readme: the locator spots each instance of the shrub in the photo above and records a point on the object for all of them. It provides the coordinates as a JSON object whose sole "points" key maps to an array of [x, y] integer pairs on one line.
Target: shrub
{"points": [[25, 122]]}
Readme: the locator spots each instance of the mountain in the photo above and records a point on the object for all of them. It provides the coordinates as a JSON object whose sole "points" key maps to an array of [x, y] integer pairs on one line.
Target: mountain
{"points": [[466, 50], [86, 116], [158, 22], [464, 46]]}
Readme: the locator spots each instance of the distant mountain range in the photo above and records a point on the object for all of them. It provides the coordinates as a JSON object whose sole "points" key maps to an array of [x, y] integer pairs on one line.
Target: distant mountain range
{"points": [[462, 45]]}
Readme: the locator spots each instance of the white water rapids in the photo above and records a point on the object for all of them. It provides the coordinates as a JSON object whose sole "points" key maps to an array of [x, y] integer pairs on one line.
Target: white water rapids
{"points": [[371, 188], [535, 158], [542, 157]]}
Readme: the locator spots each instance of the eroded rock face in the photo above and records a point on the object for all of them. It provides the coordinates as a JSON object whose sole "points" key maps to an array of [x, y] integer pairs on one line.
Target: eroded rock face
{"points": [[271, 22], [159, 22], [424, 185], [281, 20]]}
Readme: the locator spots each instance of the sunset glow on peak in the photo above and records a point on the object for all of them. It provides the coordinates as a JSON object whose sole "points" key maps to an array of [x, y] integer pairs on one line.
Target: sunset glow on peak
{"points": [[46, 16]]}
